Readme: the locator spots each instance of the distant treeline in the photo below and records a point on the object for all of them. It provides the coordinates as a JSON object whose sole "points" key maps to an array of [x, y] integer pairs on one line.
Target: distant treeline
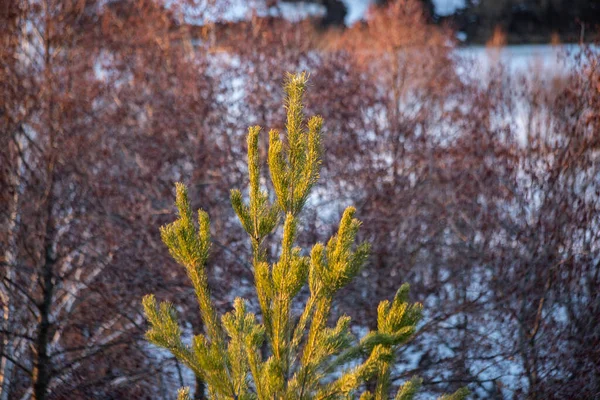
{"points": [[523, 21], [526, 21]]}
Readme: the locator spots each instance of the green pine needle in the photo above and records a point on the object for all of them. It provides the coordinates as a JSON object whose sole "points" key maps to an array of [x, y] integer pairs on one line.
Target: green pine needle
{"points": [[280, 355]]}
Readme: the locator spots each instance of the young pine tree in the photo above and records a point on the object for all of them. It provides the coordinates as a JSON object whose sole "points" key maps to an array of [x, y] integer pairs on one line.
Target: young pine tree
{"points": [[307, 358]]}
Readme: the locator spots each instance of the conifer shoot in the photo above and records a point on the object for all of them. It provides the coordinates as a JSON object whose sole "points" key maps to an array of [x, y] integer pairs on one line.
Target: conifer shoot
{"points": [[307, 359]]}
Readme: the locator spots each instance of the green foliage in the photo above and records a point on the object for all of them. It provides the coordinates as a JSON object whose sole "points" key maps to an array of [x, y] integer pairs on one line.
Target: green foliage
{"points": [[306, 358]]}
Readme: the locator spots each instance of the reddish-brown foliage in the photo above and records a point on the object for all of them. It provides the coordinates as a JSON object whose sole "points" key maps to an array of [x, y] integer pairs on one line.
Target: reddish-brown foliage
{"points": [[482, 192]]}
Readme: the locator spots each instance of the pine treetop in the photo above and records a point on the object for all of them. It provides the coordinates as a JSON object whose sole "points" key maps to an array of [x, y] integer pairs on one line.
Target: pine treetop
{"points": [[307, 359]]}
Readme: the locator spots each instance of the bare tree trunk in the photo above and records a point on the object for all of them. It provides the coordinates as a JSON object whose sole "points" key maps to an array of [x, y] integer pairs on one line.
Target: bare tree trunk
{"points": [[41, 365], [10, 256], [9, 14]]}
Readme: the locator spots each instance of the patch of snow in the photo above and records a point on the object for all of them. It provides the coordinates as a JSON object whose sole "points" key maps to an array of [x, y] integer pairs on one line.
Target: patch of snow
{"points": [[243, 9], [520, 58], [299, 11], [447, 7], [356, 10], [461, 36]]}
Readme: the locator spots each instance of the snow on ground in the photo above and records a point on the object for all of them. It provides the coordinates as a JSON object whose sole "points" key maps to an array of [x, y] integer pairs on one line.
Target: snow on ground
{"points": [[357, 9], [520, 58], [447, 7], [238, 10], [541, 63]]}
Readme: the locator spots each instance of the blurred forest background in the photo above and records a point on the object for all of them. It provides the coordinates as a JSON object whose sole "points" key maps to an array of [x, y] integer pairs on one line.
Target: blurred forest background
{"points": [[476, 171]]}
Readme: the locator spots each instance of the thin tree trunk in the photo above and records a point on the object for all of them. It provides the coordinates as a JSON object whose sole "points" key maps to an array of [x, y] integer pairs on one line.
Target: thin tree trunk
{"points": [[41, 358], [10, 257], [42, 367]]}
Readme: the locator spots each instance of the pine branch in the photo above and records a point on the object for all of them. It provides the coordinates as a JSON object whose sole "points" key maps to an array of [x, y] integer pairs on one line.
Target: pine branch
{"points": [[304, 352]]}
